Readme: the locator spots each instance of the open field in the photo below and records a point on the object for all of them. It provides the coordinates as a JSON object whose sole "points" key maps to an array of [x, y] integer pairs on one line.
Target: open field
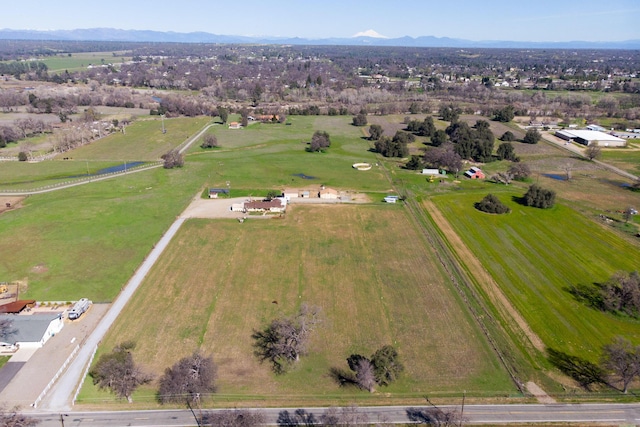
{"points": [[535, 255], [143, 140], [81, 60], [86, 241], [366, 266], [628, 160]]}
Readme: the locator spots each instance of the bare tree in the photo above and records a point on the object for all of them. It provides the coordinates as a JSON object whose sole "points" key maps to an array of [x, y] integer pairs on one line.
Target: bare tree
{"points": [[519, 171], [234, 418], [593, 151], [173, 159], [187, 379], [285, 339], [621, 293], [6, 328], [117, 372], [568, 170], [365, 376], [12, 418], [622, 360], [209, 141], [628, 213]]}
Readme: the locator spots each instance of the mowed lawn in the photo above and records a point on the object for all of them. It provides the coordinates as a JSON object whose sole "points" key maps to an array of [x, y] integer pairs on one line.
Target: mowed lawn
{"points": [[535, 255], [365, 265]]}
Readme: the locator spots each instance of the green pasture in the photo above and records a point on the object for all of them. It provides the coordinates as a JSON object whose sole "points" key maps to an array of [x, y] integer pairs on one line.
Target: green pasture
{"points": [[365, 265], [626, 159], [88, 240], [269, 156], [80, 61], [24, 175], [536, 255], [142, 141]]}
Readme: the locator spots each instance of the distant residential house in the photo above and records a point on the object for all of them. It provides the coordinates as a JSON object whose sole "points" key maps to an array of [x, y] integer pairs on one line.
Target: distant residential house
{"points": [[391, 199], [234, 125], [276, 205], [214, 192], [290, 193], [33, 331], [474, 173]]}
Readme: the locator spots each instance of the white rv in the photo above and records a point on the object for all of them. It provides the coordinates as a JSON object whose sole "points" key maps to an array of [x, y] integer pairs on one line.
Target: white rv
{"points": [[78, 308]]}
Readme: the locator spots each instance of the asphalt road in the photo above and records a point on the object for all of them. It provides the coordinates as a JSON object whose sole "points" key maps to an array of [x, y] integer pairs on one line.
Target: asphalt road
{"points": [[473, 414]]}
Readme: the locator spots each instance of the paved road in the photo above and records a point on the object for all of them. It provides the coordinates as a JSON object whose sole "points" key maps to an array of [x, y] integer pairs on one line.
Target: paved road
{"points": [[474, 414], [60, 396]]}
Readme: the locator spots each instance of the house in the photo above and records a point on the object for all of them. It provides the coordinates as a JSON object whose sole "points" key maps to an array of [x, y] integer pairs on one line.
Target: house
{"points": [[474, 173], [290, 193], [276, 205], [214, 192], [433, 172], [16, 307], [33, 331], [328, 193], [234, 125]]}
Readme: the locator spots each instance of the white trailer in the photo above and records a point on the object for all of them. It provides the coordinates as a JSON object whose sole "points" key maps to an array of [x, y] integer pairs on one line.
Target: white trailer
{"points": [[79, 308]]}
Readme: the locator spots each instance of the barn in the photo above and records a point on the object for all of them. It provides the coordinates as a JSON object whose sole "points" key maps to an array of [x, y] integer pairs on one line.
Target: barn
{"points": [[589, 137]]}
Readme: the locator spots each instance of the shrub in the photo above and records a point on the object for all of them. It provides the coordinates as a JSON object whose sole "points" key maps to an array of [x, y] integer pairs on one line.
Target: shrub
{"points": [[22, 156], [173, 159], [491, 204], [508, 136], [209, 141], [532, 137], [539, 197]]}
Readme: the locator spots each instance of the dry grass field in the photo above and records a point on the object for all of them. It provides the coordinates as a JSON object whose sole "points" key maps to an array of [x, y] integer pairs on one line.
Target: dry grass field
{"points": [[366, 266]]}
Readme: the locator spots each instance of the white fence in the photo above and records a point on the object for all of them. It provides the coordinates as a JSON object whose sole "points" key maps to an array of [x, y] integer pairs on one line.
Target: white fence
{"points": [[86, 372], [56, 376]]}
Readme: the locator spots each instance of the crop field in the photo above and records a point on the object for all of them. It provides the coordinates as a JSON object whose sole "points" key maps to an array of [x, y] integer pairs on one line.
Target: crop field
{"points": [[536, 255], [365, 265]]}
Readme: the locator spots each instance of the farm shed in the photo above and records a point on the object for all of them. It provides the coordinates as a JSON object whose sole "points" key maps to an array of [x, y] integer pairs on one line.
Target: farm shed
{"points": [[391, 199], [588, 137], [17, 306], [328, 193], [34, 330], [474, 173]]}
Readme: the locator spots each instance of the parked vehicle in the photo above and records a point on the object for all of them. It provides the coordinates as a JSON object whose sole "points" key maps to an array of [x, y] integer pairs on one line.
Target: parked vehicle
{"points": [[79, 308]]}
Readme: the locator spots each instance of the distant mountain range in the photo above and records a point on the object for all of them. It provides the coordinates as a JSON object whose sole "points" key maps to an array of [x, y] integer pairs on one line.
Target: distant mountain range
{"points": [[361, 39]]}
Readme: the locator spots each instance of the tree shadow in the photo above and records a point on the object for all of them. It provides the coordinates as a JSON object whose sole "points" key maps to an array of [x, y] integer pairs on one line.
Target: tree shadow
{"points": [[519, 200], [591, 296], [342, 377], [299, 417], [434, 416], [585, 373]]}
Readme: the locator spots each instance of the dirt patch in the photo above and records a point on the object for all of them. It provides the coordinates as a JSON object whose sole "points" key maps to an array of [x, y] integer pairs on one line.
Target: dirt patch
{"points": [[502, 303], [539, 393], [39, 269], [9, 203]]}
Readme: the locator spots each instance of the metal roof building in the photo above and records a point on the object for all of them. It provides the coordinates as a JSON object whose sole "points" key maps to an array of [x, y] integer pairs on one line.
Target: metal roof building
{"points": [[587, 137]]}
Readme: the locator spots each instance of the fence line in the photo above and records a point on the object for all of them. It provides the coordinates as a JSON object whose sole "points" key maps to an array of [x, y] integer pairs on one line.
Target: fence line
{"points": [[81, 180], [84, 375], [55, 377]]}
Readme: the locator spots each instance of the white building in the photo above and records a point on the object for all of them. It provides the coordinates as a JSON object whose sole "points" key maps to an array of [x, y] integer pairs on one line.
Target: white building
{"points": [[588, 137], [32, 331]]}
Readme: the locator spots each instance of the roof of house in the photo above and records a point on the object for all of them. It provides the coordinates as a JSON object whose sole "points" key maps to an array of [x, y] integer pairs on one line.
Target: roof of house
{"points": [[328, 191], [29, 328], [274, 203], [16, 306]]}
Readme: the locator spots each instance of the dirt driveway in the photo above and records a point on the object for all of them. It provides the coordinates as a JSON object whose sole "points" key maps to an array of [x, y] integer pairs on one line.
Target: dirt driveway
{"points": [[213, 208]]}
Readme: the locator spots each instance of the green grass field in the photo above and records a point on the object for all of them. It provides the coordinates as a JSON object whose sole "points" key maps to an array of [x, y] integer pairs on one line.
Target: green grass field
{"points": [[536, 255], [365, 265], [624, 159], [79, 61], [86, 241]]}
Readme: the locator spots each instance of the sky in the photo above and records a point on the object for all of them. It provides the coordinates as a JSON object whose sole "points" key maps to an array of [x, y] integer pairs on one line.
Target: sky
{"points": [[539, 20]]}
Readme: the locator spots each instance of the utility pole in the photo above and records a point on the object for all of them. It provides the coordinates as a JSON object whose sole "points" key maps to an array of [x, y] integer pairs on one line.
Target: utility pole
{"points": [[162, 119]]}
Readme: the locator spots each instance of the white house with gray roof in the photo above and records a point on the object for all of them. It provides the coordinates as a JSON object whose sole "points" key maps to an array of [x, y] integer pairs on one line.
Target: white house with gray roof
{"points": [[32, 331]]}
